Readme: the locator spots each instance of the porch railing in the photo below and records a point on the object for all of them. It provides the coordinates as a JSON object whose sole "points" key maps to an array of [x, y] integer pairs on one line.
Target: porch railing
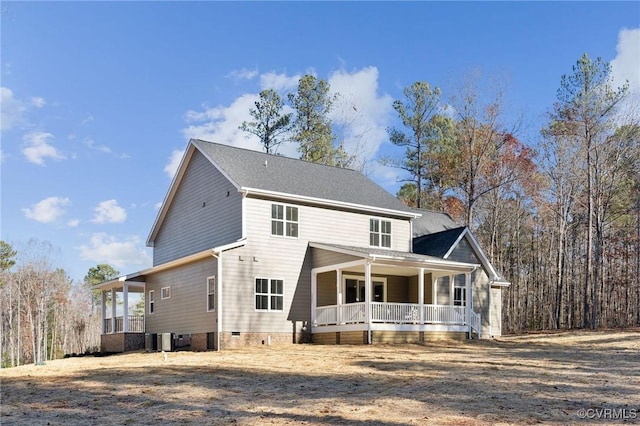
{"points": [[136, 324], [396, 313]]}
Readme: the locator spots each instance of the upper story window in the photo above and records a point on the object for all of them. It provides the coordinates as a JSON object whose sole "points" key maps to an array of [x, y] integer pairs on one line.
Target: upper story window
{"points": [[165, 292], [151, 301], [379, 233], [284, 220]]}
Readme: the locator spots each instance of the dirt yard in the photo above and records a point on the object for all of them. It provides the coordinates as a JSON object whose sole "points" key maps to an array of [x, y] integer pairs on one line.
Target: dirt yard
{"points": [[565, 378]]}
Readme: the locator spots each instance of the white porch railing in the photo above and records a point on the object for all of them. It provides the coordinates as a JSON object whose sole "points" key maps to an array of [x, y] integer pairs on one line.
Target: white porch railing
{"points": [[396, 313]]}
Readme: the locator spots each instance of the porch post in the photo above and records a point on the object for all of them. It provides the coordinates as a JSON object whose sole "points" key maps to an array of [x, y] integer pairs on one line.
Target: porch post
{"points": [[421, 294], [339, 296], [125, 300], [467, 286], [367, 298], [103, 313], [314, 297], [451, 285], [113, 310], [435, 290]]}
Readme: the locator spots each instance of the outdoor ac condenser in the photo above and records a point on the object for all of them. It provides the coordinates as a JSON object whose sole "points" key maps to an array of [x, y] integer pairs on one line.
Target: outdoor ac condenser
{"points": [[167, 342]]}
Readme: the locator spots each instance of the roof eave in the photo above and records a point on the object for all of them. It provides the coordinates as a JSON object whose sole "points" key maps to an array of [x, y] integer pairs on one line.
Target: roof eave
{"points": [[327, 202]]}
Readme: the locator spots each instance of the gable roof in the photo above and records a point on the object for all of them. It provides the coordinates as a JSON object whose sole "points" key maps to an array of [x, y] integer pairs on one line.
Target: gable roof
{"points": [[437, 244], [255, 172], [441, 244]]}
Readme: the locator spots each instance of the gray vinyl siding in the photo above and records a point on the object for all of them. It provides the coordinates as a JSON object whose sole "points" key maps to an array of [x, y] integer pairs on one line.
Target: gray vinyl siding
{"points": [[327, 292], [480, 283], [186, 310], [206, 211], [289, 259], [320, 257]]}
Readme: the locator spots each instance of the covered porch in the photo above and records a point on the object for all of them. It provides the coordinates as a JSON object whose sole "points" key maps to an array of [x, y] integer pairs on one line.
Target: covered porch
{"points": [[385, 295], [122, 329]]}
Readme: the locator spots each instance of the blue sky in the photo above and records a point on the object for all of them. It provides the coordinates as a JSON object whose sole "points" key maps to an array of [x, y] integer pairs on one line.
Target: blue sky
{"points": [[100, 99]]}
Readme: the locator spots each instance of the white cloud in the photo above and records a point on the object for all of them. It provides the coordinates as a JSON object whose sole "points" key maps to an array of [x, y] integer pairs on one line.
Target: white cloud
{"points": [[37, 148], [626, 65], [38, 102], [157, 205], [360, 113], [12, 111], [104, 248], [279, 82], [73, 223], [109, 212], [92, 145], [47, 210], [174, 162], [243, 74], [220, 124]]}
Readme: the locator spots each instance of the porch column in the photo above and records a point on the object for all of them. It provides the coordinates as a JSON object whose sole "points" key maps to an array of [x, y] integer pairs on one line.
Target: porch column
{"points": [[467, 286], [421, 294], [113, 310], [125, 315], [367, 298], [452, 279], [434, 289], [103, 313], [314, 297], [338, 296]]}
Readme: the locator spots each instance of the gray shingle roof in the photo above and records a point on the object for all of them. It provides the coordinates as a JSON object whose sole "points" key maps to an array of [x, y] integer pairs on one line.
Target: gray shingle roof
{"points": [[431, 222], [437, 244], [257, 170]]}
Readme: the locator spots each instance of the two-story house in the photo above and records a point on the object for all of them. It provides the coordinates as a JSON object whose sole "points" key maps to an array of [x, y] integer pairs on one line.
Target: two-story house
{"points": [[251, 248]]}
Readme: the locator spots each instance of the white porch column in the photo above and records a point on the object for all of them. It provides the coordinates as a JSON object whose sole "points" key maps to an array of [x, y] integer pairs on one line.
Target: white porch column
{"points": [[125, 300], [452, 279], [338, 296], [113, 310], [421, 294], [314, 297], [468, 301], [435, 291], [103, 312], [367, 298]]}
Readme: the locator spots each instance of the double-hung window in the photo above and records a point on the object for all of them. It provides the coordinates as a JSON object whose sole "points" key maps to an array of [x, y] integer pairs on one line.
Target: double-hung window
{"points": [[284, 220], [165, 293], [151, 301], [269, 294], [379, 233]]}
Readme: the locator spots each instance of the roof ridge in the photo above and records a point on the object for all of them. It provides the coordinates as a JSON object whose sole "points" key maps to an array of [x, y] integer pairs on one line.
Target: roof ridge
{"points": [[274, 155]]}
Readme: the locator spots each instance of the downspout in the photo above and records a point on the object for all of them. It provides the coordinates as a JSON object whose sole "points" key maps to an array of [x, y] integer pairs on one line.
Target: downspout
{"points": [[218, 297]]}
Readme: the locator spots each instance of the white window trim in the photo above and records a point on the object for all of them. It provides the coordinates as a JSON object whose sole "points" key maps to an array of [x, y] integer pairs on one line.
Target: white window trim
{"points": [[215, 296], [151, 302], [162, 291], [268, 294], [362, 278], [284, 221], [380, 220], [460, 286]]}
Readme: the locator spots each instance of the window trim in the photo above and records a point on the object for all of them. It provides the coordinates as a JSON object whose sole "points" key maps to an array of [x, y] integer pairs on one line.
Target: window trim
{"points": [[284, 221], [269, 294], [379, 232], [151, 304], [211, 293], [463, 292], [168, 292]]}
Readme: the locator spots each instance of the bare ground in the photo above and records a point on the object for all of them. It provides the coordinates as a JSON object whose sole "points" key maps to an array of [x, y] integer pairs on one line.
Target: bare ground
{"points": [[563, 378]]}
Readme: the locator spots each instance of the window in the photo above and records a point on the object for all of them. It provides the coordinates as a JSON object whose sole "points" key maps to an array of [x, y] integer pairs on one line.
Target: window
{"points": [[284, 220], [211, 294], [379, 233], [151, 302], [269, 294], [165, 293]]}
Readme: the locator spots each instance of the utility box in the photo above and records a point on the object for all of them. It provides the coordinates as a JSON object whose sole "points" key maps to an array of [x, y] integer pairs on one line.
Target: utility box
{"points": [[150, 342], [165, 342]]}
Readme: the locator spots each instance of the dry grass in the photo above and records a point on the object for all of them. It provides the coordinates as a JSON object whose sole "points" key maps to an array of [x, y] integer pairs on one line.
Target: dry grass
{"points": [[514, 380]]}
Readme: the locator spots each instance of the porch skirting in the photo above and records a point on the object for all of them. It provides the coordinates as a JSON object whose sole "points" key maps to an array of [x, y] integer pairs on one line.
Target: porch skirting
{"points": [[381, 336], [121, 342]]}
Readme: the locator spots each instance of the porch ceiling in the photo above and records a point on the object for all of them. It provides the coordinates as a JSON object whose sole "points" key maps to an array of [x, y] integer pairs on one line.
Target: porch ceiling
{"points": [[377, 269]]}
